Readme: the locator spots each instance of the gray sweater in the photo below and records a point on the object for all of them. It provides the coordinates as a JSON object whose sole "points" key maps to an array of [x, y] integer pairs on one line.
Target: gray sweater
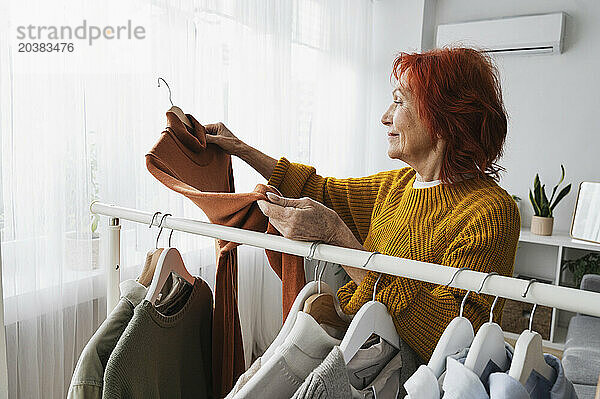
{"points": [[162, 356]]}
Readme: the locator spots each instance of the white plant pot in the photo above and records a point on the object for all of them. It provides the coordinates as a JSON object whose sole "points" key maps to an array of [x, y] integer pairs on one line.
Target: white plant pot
{"points": [[542, 226], [81, 253]]}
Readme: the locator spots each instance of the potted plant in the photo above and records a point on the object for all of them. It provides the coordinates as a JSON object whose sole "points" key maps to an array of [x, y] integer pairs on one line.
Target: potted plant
{"points": [[542, 220], [587, 264]]}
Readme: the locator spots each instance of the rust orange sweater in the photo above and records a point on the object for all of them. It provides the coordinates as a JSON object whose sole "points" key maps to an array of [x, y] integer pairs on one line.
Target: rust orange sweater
{"points": [[183, 161], [473, 223]]}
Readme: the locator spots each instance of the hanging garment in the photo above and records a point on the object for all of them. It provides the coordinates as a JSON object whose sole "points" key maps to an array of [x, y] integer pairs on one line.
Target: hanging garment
{"points": [[372, 374], [164, 356], [503, 386], [460, 382], [87, 379], [303, 350], [420, 385], [185, 163]]}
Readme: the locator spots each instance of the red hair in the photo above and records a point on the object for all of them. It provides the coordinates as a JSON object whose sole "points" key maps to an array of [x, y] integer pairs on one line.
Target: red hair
{"points": [[458, 97]]}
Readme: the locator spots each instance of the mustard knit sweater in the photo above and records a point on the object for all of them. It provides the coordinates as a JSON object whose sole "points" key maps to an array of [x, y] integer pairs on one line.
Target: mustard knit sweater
{"points": [[473, 223]]}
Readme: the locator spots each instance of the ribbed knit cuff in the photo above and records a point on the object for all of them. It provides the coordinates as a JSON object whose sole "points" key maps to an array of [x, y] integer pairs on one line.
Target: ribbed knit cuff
{"points": [[279, 172], [290, 178]]}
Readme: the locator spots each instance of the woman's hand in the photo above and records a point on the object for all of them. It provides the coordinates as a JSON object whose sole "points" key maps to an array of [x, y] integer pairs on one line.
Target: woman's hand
{"points": [[308, 220], [217, 133], [302, 219]]}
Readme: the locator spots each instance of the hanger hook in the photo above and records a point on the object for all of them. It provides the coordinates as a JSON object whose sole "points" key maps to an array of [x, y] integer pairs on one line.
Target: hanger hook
{"points": [[495, 299], [159, 79], [462, 304], [370, 256], [313, 248], [455, 274], [492, 309], [531, 316], [375, 286], [321, 275], [160, 227], [483, 281], [317, 269], [170, 235], [528, 285], [153, 217]]}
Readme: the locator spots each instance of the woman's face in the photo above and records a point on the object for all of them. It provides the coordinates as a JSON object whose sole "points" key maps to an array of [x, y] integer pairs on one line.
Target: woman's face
{"points": [[408, 138]]}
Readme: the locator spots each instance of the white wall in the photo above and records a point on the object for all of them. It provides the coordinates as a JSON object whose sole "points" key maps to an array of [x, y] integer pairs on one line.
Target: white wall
{"points": [[553, 101], [397, 26]]}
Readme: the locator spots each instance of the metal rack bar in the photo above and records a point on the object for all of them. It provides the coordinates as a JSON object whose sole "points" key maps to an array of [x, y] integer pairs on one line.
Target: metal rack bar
{"points": [[571, 299]]}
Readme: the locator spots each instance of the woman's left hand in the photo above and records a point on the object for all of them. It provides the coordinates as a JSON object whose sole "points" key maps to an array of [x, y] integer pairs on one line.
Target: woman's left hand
{"points": [[303, 219], [308, 220]]}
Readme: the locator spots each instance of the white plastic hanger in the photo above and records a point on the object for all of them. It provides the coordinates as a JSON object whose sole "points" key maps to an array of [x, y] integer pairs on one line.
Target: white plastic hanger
{"points": [[488, 345], [528, 355], [308, 290], [457, 336], [176, 110], [371, 318], [170, 261]]}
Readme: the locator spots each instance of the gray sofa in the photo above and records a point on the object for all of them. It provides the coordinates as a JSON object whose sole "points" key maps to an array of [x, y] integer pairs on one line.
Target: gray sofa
{"points": [[581, 358]]}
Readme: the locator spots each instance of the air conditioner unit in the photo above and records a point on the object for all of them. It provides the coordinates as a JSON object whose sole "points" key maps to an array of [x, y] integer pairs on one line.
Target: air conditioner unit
{"points": [[524, 34]]}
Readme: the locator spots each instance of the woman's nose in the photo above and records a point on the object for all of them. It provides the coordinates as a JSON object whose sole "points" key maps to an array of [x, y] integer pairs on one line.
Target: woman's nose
{"points": [[387, 117]]}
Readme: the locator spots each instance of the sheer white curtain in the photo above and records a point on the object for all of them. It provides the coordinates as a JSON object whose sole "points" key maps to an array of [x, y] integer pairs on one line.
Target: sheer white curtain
{"points": [[288, 77]]}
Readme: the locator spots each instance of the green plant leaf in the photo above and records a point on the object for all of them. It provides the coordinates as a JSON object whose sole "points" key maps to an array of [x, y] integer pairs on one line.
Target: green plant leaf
{"points": [[544, 198], [544, 205], [562, 177], [536, 208], [538, 196], [560, 196]]}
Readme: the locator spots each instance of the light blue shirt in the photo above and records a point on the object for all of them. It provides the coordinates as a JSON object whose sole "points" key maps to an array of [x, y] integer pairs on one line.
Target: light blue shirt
{"points": [[461, 382]]}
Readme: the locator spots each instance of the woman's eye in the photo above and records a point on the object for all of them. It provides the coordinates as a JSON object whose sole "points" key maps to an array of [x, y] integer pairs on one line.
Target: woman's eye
{"points": [[398, 102]]}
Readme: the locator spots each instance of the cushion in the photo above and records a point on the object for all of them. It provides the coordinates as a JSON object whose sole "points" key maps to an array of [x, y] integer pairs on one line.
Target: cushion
{"points": [[582, 365]]}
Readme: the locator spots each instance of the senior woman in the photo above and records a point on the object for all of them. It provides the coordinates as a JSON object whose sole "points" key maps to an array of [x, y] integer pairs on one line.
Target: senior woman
{"points": [[447, 121]]}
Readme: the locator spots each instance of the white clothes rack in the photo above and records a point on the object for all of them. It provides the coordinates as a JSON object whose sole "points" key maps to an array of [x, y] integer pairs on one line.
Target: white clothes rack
{"points": [[550, 295]]}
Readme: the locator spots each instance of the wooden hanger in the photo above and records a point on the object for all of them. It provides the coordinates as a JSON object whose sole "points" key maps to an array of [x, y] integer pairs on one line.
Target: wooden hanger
{"points": [[457, 336], [147, 273], [371, 318], [306, 292], [152, 256], [529, 356], [309, 289], [324, 306], [488, 345], [176, 110], [170, 261]]}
